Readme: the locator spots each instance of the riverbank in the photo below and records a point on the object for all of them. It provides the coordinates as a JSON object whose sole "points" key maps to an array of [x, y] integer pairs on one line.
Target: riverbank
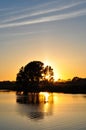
{"points": [[74, 86]]}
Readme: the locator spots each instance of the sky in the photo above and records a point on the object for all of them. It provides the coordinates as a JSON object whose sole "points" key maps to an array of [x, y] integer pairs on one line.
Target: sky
{"points": [[51, 31]]}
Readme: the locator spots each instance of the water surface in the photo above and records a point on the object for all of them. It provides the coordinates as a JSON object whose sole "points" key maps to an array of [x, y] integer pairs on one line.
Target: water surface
{"points": [[42, 111]]}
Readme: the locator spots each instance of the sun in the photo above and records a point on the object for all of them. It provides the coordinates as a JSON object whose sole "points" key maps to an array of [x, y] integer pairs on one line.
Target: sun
{"points": [[46, 63], [56, 74]]}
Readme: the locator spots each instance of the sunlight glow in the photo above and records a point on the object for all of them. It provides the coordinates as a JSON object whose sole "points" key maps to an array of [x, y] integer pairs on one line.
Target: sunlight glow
{"points": [[56, 74], [47, 77], [45, 95]]}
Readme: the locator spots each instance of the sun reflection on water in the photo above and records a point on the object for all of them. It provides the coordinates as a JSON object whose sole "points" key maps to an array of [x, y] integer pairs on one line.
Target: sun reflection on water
{"points": [[45, 96], [35, 105]]}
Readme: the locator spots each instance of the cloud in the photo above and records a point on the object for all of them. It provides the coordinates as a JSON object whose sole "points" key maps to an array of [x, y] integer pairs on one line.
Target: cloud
{"points": [[46, 19], [42, 12], [18, 10], [43, 15], [28, 33]]}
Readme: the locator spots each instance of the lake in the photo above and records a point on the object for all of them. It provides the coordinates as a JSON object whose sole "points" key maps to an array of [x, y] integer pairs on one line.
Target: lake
{"points": [[42, 111]]}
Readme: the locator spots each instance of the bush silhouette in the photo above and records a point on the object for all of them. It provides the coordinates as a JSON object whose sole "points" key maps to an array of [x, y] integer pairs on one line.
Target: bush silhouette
{"points": [[33, 75]]}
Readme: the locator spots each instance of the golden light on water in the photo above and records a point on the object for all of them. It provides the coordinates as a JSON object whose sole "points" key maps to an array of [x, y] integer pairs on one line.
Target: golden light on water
{"points": [[45, 96]]}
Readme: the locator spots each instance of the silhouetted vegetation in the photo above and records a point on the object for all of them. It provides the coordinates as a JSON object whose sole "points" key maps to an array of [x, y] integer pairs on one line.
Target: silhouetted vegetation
{"points": [[35, 77], [8, 85], [76, 85]]}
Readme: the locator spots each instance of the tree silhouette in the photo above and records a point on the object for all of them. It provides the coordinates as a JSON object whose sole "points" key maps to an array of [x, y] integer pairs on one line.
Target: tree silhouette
{"points": [[32, 75], [48, 73], [34, 71], [21, 79]]}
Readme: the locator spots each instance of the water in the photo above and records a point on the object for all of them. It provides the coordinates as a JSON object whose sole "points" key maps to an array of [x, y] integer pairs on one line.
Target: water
{"points": [[43, 111]]}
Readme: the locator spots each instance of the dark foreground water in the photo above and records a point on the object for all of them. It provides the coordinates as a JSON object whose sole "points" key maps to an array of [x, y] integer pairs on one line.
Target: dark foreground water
{"points": [[43, 111]]}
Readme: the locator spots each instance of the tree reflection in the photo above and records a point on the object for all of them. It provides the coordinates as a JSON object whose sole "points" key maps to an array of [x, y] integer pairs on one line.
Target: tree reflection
{"points": [[35, 105]]}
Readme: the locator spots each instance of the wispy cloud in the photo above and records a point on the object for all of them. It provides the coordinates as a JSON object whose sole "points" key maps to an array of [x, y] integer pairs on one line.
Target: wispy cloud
{"points": [[25, 19], [47, 19], [42, 12], [28, 33], [20, 10]]}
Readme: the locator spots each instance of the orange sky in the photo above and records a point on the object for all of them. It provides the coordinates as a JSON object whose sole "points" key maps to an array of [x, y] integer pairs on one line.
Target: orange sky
{"points": [[47, 31]]}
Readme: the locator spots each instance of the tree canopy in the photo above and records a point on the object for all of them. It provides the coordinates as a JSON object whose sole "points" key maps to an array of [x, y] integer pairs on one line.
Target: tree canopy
{"points": [[32, 74]]}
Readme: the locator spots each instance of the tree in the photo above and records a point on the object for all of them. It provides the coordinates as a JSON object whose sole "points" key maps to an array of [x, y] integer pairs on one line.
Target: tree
{"points": [[21, 79], [48, 73], [33, 74], [34, 71], [75, 79]]}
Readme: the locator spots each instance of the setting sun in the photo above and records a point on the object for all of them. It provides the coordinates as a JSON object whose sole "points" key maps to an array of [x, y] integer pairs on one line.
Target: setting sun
{"points": [[42, 64], [56, 74]]}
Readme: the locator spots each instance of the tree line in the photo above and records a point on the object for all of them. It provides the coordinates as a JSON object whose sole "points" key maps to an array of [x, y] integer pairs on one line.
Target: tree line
{"points": [[35, 77]]}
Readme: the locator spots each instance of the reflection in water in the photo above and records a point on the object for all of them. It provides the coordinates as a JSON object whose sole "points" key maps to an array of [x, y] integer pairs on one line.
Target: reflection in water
{"points": [[57, 112], [45, 97], [35, 105]]}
